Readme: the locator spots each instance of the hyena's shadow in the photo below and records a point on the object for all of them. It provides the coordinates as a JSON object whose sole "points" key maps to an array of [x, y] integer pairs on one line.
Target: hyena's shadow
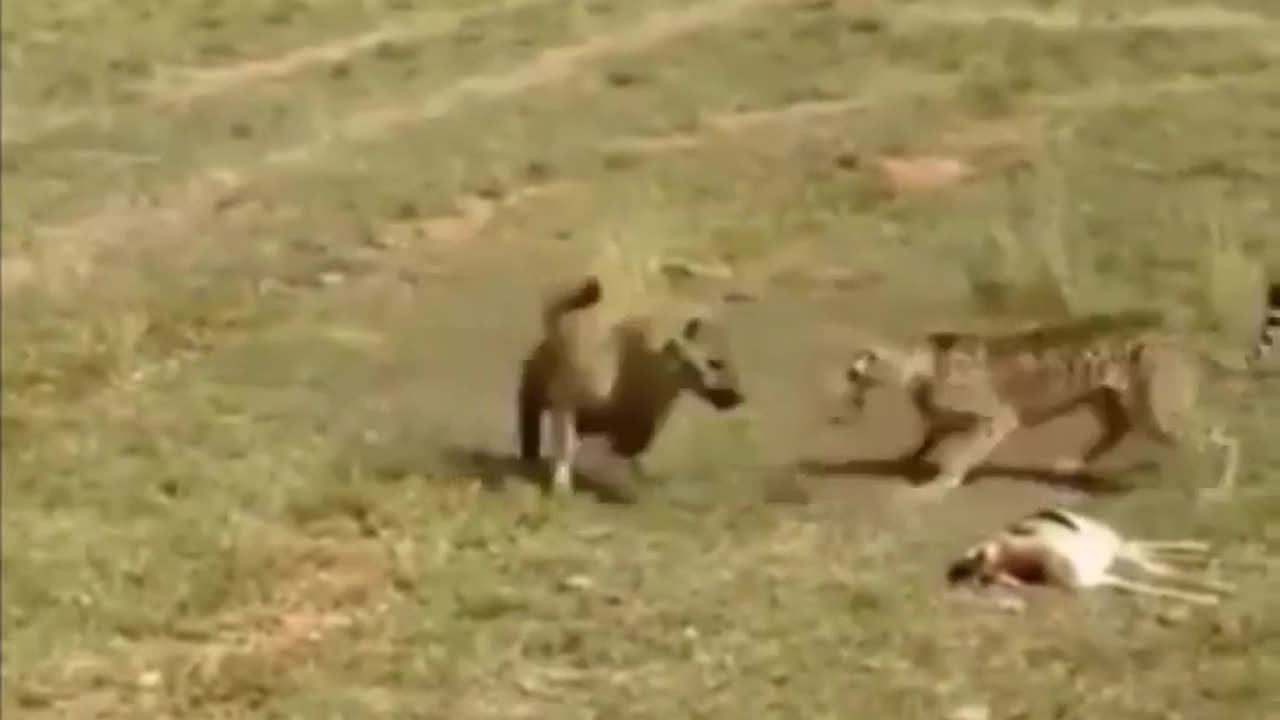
{"points": [[597, 470], [917, 472]]}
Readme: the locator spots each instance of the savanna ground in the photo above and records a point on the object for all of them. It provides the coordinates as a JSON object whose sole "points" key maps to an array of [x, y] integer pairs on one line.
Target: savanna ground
{"points": [[269, 265]]}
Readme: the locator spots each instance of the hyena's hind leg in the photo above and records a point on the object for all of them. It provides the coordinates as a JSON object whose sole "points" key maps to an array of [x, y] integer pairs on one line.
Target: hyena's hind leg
{"points": [[1201, 437], [1158, 559], [1138, 587], [564, 449], [1116, 424], [1108, 408], [1165, 403]]}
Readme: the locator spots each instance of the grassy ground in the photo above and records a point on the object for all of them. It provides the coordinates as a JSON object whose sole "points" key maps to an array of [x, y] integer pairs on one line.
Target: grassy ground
{"points": [[268, 266]]}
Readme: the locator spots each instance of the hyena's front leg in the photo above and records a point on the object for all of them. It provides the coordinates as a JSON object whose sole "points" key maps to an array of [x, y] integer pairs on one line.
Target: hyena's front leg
{"points": [[978, 443], [934, 434], [638, 469], [1107, 407], [564, 448]]}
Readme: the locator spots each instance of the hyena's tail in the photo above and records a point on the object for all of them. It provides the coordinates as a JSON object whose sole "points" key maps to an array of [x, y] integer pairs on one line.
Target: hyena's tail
{"points": [[530, 401], [584, 294]]}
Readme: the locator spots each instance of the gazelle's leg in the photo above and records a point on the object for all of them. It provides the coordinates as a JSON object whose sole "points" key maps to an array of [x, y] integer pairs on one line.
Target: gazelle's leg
{"points": [[979, 442], [1003, 592], [1190, 546], [1007, 581], [1161, 570], [1173, 553], [1176, 552], [1171, 556], [1141, 588], [564, 447]]}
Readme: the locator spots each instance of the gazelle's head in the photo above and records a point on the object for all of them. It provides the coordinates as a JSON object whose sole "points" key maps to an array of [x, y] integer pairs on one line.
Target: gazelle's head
{"points": [[1026, 560], [1035, 550], [978, 565]]}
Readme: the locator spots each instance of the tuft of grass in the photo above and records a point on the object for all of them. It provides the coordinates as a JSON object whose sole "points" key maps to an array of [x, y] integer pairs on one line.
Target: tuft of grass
{"points": [[1231, 284], [1029, 270]]}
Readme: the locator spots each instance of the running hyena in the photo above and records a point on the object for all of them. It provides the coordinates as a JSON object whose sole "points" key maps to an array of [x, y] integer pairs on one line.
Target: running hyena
{"points": [[1133, 375]]}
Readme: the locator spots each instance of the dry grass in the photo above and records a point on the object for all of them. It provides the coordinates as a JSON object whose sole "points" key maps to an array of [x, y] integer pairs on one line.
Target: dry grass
{"points": [[260, 344]]}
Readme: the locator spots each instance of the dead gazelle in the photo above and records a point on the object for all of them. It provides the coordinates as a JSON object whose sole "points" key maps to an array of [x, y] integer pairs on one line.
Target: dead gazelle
{"points": [[1074, 552]]}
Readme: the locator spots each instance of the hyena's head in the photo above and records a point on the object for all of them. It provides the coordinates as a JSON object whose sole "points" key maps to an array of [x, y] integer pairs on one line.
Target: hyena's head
{"points": [[701, 349]]}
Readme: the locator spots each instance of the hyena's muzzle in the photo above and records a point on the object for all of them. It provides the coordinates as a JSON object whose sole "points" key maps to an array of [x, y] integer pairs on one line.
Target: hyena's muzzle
{"points": [[709, 371]]}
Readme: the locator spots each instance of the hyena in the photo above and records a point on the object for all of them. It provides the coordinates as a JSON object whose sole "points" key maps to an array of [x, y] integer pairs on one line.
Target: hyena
{"points": [[1269, 333], [1124, 366], [614, 376]]}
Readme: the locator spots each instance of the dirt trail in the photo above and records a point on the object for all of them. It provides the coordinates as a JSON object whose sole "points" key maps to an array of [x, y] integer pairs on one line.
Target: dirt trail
{"points": [[548, 67], [180, 86], [197, 83], [1189, 18]]}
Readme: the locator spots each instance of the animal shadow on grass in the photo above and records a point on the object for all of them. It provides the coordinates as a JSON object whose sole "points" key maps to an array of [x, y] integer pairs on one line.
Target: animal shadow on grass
{"points": [[598, 470], [918, 472]]}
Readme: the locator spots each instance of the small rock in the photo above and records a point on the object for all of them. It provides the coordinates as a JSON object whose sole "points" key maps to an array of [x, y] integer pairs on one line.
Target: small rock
{"points": [[580, 583], [976, 711], [150, 679], [924, 173], [1173, 615]]}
